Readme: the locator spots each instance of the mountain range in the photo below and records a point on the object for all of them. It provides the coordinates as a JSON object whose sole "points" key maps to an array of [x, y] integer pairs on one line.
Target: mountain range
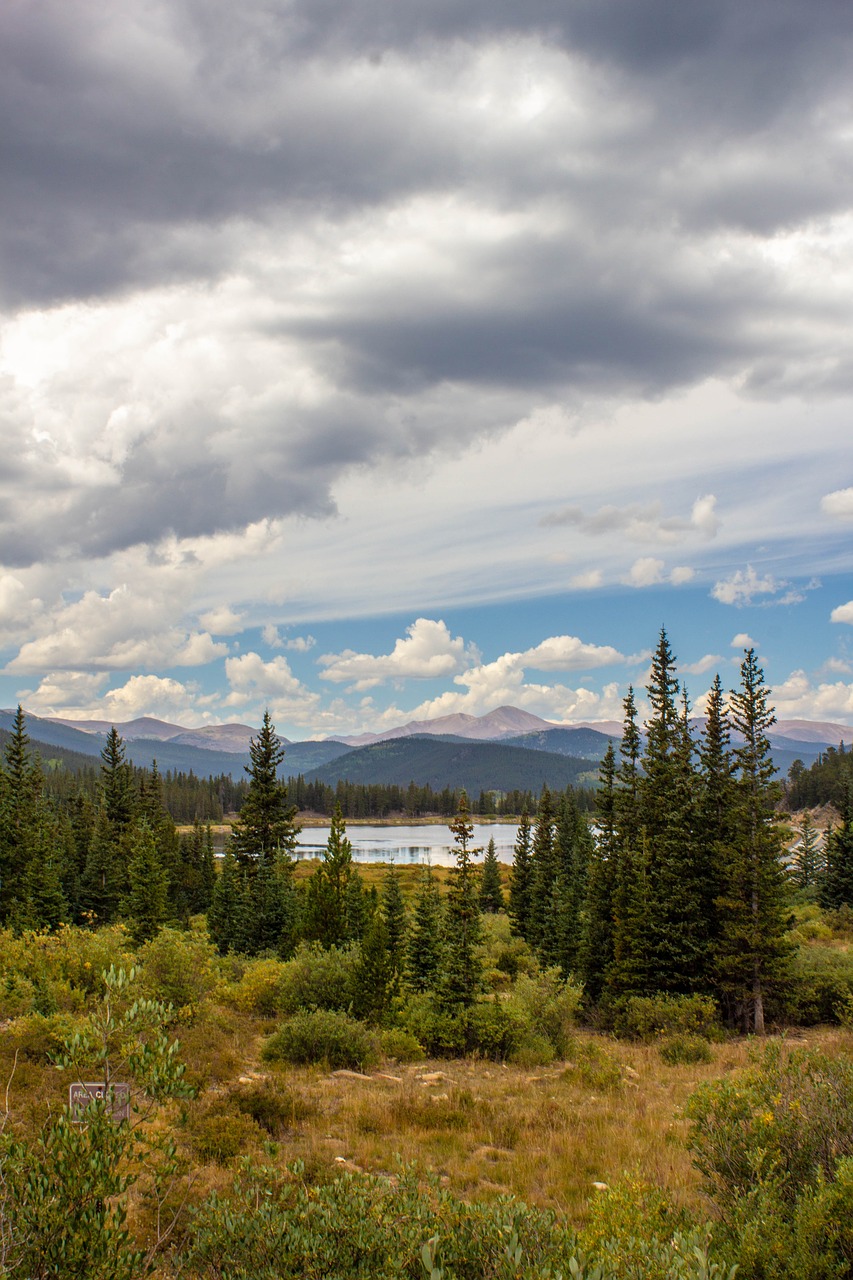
{"points": [[480, 752]]}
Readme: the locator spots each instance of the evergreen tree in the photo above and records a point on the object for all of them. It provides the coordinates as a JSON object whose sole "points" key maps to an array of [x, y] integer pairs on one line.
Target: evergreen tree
{"points": [[375, 977], [102, 881], [424, 943], [752, 950], [676, 859], [573, 850], [716, 806], [20, 801], [394, 915], [228, 919], [630, 971], [273, 919], [358, 908], [521, 878], [595, 949], [117, 789], [836, 883], [266, 823], [325, 917], [44, 904], [542, 919], [145, 904], [809, 860], [491, 892], [462, 970]]}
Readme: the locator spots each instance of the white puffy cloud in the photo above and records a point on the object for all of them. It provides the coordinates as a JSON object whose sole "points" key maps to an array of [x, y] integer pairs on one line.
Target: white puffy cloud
{"points": [[80, 695], [645, 572], [702, 665], [838, 504], [257, 684], [567, 653], [799, 698], [743, 641], [223, 621], [843, 613], [428, 651], [744, 585], [680, 574], [295, 644]]}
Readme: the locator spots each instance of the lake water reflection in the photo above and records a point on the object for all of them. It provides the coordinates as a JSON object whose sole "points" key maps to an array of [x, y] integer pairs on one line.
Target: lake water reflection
{"points": [[409, 845]]}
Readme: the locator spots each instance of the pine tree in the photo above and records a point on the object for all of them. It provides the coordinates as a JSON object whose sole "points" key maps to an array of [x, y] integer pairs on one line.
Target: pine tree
{"points": [[117, 790], [394, 915], [266, 823], [521, 878], [424, 943], [573, 849], [491, 892], [145, 904], [809, 859], [20, 801], [595, 949], [752, 951], [836, 883], [102, 881], [228, 919], [358, 908], [542, 920], [272, 922], [677, 866], [375, 977], [462, 970]]}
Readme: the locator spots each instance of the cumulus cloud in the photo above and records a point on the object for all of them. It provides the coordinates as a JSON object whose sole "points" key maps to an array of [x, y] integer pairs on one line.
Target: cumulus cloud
{"points": [[121, 629], [295, 644], [707, 663], [567, 653], [257, 684], [427, 651], [744, 586], [798, 697], [838, 504], [842, 613], [743, 641], [645, 572], [223, 621], [80, 695]]}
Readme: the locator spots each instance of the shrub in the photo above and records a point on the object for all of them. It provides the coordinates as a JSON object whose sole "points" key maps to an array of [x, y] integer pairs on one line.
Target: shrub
{"points": [[322, 1035], [685, 1049], [442, 1034], [546, 1005], [400, 1045], [272, 1105], [177, 967], [534, 1050], [493, 1029], [221, 1136], [318, 979], [594, 1067], [821, 981], [646, 1017], [258, 989]]}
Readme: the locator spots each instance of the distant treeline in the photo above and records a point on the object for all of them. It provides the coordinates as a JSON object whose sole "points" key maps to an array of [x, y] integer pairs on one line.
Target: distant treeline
{"points": [[187, 798], [828, 781]]}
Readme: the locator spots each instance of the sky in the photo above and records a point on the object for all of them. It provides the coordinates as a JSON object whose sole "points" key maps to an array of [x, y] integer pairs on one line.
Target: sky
{"points": [[370, 362]]}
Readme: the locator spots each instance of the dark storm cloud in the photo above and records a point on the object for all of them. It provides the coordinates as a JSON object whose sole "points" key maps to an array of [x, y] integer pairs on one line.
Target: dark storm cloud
{"points": [[153, 144]]}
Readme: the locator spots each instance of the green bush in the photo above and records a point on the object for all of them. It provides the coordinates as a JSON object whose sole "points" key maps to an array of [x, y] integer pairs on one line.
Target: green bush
{"points": [[271, 1104], [533, 1050], [258, 988], [545, 1005], [821, 981], [400, 1045], [220, 1136], [177, 967], [322, 1035], [647, 1017], [442, 1034], [318, 979], [594, 1067], [685, 1049]]}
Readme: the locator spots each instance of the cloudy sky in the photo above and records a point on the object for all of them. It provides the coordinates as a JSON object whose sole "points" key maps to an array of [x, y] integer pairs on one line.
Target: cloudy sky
{"points": [[376, 360]]}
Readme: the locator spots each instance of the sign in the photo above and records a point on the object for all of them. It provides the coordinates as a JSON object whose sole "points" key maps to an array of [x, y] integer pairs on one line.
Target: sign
{"points": [[80, 1095]]}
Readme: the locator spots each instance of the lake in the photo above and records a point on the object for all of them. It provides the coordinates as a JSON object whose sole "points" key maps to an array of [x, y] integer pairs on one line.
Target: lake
{"points": [[409, 845]]}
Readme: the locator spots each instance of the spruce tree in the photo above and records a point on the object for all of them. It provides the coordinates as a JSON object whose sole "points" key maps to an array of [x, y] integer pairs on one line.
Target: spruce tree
{"points": [[836, 883], [491, 892], [103, 881], [394, 915], [358, 908], [521, 878], [595, 949], [228, 919], [630, 971], [145, 903], [375, 976], [809, 858], [462, 970], [266, 822], [573, 849], [677, 866], [752, 951], [424, 943], [542, 915], [117, 790]]}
